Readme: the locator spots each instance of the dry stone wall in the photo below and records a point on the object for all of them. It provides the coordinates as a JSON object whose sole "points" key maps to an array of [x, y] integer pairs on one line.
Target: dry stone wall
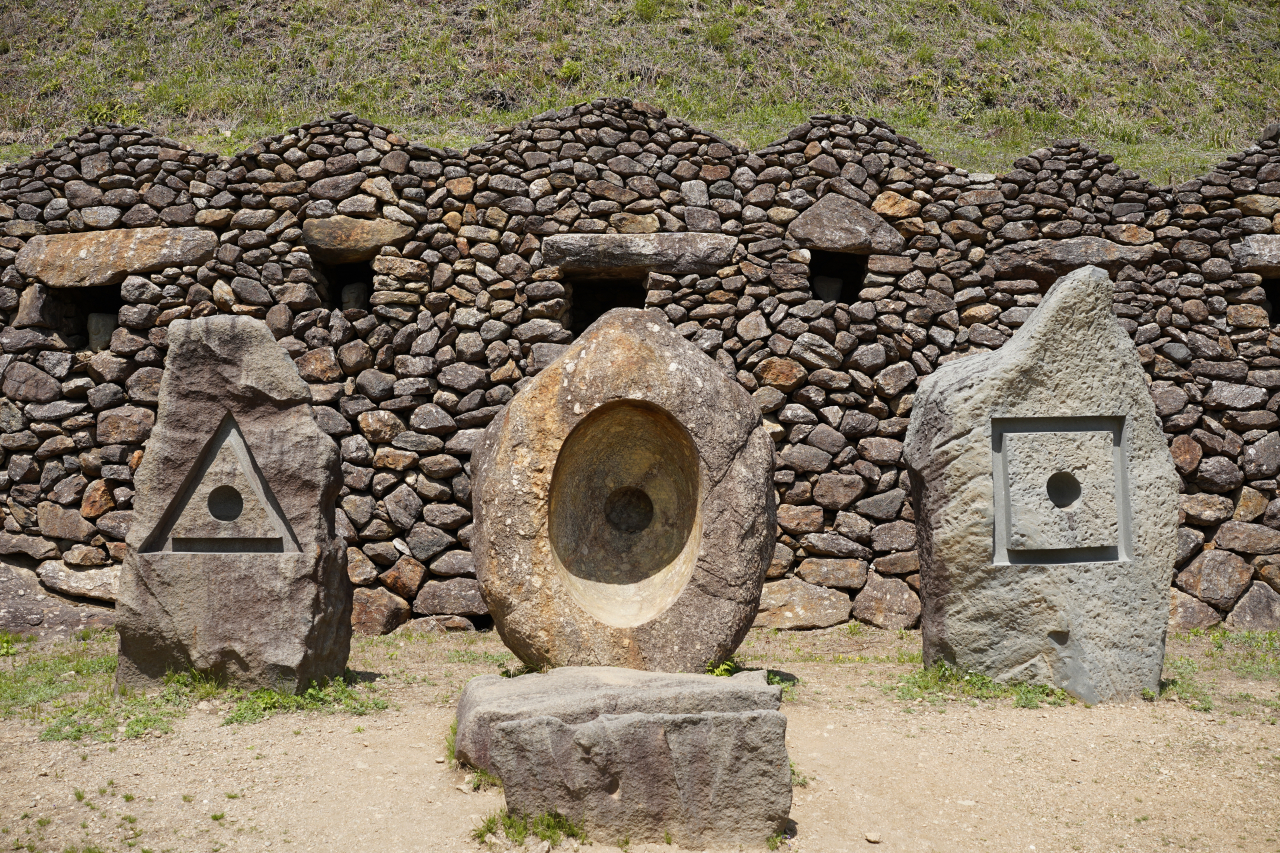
{"points": [[417, 289]]}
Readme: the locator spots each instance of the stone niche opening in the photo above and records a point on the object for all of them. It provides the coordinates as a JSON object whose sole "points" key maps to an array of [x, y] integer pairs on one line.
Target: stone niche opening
{"points": [[590, 297], [836, 276], [345, 285], [1271, 287], [89, 314], [624, 518]]}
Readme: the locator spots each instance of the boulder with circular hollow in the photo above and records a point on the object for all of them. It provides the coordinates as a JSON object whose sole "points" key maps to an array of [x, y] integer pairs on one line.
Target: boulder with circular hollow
{"points": [[624, 508]]}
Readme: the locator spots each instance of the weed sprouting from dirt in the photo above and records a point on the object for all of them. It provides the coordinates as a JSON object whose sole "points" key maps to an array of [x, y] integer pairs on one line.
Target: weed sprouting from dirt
{"points": [[1182, 685], [339, 694], [551, 827], [724, 669], [483, 780], [941, 682]]}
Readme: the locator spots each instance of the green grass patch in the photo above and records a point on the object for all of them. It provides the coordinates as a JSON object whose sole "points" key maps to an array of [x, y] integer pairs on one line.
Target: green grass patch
{"points": [[338, 695], [943, 682], [1251, 654], [71, 691], [978, 83], [551, 827]]}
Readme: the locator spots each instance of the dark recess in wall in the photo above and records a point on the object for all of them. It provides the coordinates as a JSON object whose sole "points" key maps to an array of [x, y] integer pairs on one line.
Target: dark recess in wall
{"points": [[837, 276], [1271, 286], [78, 303], [339, 276], [591, 298]]}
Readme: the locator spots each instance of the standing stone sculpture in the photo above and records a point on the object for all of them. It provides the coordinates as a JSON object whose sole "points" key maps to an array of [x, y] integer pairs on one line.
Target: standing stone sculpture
{"points": [[233, 568], [1046, 504], [624, 508]]}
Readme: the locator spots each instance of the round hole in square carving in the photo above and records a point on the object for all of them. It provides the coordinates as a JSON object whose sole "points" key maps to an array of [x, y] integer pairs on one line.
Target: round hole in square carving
{"points": [[1063, 488]]}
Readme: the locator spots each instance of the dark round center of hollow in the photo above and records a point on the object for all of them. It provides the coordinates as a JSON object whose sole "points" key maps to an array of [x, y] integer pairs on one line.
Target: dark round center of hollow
{"points": [[1063, 488], [628, 509], [225, 503]]}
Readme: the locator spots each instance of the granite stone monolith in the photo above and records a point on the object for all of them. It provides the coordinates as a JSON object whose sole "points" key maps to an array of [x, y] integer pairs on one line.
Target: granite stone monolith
{"points": [[1047, 504], [233, 568]]}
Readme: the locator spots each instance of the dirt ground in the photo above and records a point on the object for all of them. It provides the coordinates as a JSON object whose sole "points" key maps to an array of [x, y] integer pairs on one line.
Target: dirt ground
{"points": [[884, 771]]}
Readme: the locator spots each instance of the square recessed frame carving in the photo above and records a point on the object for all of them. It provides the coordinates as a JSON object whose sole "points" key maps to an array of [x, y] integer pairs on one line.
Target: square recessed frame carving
{"points": [[1061, 490]]}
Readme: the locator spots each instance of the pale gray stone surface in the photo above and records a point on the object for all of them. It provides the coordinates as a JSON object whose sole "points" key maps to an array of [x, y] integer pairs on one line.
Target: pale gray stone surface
{"points": [[233, 567], [624, 507], [98, 584], [1259, 253], [577, 694], [792, 603], [693, 779], [673, 254], [1085, 607]]}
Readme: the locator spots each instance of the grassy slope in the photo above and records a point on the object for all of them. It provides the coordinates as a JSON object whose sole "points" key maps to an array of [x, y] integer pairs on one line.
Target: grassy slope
{"points": [[1168, 88]]}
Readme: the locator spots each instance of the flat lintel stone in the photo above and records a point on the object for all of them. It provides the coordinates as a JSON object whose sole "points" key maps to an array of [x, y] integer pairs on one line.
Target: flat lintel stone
{"points": [[1259, 253], [1045, 260], [627, 254], [345, 240], [97, 258]]}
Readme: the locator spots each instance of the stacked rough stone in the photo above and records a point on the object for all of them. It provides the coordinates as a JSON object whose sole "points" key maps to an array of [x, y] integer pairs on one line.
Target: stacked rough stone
{"points": [[463, 308]]}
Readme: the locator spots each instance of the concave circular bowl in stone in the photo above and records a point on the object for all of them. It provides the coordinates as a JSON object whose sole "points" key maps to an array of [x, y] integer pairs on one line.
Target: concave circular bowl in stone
{"points": [[624, 507], [624, 517]]}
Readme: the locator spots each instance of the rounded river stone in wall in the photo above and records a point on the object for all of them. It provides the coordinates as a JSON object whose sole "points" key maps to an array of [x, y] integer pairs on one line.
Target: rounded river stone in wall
{"points": [[624, 513]]}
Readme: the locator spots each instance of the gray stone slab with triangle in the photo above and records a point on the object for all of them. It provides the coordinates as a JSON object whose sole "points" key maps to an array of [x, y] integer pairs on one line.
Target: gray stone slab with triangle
{"points": [[234, 568]]}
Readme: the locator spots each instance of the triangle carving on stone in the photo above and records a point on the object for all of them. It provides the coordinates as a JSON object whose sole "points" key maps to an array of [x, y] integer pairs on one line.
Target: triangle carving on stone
{"points": [[225, 505]]}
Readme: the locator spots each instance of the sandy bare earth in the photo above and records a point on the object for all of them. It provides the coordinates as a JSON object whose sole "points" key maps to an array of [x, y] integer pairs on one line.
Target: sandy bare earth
{"points": [[884, 773]]}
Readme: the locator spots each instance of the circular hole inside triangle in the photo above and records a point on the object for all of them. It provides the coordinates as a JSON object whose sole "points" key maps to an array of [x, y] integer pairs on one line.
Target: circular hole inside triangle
{"points": [[225, 503]]}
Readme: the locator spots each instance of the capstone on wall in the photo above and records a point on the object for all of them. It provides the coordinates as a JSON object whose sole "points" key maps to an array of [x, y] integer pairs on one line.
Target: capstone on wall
{"points": [[417, 289]]}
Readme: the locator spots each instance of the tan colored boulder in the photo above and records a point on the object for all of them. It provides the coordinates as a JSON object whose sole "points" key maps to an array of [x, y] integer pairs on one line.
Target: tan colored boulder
{"points": [[1187, 613], [377, 611], [887, 603], [624, 504], [96, 258], [840, 224], [792, 603]]}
